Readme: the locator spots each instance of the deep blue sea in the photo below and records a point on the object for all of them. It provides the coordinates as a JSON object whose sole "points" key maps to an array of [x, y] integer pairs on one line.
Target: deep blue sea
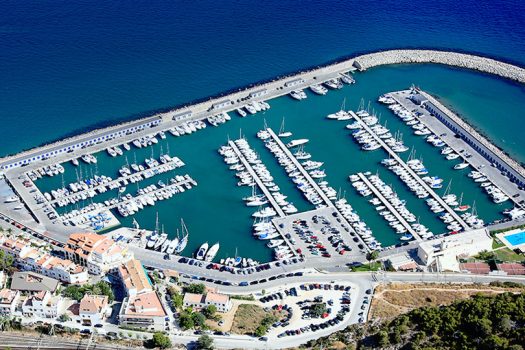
{"points": [[69, 65]]}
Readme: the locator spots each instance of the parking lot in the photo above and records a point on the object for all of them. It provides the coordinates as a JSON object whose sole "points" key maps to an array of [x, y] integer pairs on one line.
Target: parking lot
{"points": [[311, 307], [318, 234]]}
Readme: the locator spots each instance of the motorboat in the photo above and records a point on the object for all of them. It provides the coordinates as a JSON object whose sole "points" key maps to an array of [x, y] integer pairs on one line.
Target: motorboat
{"points": [[295, 143], [201, 252], [212, 252]]}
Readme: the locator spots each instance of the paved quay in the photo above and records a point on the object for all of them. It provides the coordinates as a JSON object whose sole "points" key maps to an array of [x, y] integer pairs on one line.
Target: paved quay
{"points": [[460, 146], [412, 173], [389, 206]]}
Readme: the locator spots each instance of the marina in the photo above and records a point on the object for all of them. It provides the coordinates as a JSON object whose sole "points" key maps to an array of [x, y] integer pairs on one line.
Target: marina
{"points": [[370, 228]]}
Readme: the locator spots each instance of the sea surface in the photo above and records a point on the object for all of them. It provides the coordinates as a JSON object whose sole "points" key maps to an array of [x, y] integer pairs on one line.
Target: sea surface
{"points": [[66, 67]]}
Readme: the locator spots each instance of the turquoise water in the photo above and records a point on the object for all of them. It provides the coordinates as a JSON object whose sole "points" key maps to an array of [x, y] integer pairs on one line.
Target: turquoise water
{"points": [[516, 238], [214, 211]]}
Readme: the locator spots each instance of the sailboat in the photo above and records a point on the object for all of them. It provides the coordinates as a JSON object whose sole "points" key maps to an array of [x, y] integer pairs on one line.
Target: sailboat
{"points": [[341, 115], [461, 207], [283, 133], [136, 224], [152, 240], [184, 240]]}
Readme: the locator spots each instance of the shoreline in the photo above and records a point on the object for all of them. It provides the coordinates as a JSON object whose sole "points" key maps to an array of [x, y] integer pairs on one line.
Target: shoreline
{"points": [[309, 76]]}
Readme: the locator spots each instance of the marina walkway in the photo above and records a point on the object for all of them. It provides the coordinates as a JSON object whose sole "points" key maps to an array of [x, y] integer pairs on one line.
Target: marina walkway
{"points": [[386, 203], [256, 178], [412, 173]]}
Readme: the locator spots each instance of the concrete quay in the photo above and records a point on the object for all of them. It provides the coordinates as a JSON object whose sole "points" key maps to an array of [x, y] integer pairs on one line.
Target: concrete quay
{"points": [[412, 173], [460, 146], [389, 206]]}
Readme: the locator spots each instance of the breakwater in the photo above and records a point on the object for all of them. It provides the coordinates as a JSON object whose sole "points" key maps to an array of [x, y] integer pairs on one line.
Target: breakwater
{"points": [[462, 60], [264, 91]]}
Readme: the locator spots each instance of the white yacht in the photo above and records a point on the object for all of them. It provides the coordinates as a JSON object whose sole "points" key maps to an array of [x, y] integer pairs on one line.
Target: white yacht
{"points": [[318, 89], [297, 142], [212, 252], [201, 253]]}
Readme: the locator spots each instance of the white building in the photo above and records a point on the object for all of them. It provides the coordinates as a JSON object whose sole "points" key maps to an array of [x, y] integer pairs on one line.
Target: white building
{"points": [[198, 301], [8, 301], [442, 254], [93, 309], [145, 311], [43, 305]]}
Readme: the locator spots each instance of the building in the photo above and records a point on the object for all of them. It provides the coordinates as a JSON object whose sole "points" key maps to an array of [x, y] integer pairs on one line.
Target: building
{"points": [[402, 262], [144, 311], [31, 282], [100, 254], [258, 93], [182, 116], [294, 82], [134, 277], [30, 259], [198, 301], [93, 309], [442, 254], [51, 266], [221, 104], [43, 305], [8, 301]]}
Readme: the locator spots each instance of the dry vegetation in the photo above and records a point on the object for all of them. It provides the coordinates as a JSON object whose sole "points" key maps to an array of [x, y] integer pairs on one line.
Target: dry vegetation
{"points": [[394, 299], [248, 317]]}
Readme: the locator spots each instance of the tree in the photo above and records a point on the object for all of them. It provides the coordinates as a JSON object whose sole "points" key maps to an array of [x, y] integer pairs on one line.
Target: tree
{"points": [[198, 319], [177, 299], [382, 339], [261, 330], [209, 311], [373, 255], [205, 342], [186, 321], [160, 340], [64, 318], [317, 310], [197, 288]]}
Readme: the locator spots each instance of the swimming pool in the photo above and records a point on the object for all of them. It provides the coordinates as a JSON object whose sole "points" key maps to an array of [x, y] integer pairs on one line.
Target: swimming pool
{"points": [[516, 239]]}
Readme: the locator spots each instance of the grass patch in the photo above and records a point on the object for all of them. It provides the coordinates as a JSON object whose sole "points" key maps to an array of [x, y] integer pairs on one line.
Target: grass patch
{"points": [[496, 243], [373, 266], [505, 254], [248, 317]]}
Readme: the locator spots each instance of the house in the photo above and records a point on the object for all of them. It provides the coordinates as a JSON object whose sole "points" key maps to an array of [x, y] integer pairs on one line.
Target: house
{"points": [[442, 254], [29, 258], [198, 301], [134, 277], [8, 301], [32, 282], [44, 305], [93, 309], [145, 311], [100, 254]]}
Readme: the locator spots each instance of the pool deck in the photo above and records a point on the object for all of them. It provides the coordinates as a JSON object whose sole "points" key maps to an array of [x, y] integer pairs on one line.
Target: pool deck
{"points": [[503, 238]]}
